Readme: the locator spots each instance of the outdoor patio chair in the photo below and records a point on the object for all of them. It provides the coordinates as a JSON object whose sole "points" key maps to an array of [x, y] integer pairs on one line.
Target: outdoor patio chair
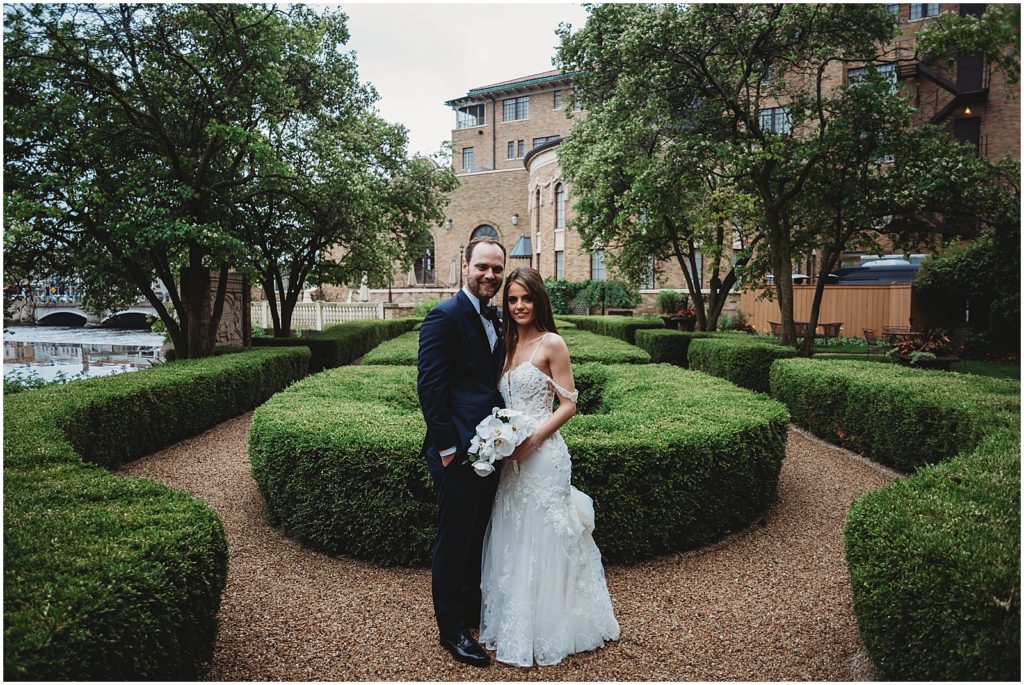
{"points": [[874, 344]]}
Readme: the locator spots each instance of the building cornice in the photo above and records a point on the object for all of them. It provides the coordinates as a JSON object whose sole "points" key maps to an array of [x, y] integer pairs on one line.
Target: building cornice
{"points": [[534, 83]]}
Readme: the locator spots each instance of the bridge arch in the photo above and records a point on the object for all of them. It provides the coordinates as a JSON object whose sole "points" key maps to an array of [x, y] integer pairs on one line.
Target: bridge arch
{"points": [[62, 317], [129, 318]]}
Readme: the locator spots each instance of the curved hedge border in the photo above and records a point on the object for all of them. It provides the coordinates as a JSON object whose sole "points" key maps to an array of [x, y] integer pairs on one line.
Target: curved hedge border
{"points": [[746, 363], [584, 347], [673, 460], [935, 558], [621, 327], [108, 577], [343, 343]]}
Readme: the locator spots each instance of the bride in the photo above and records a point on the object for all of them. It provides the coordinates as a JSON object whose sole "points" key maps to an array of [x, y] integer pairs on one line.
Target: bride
{"points": [[543, 587]]}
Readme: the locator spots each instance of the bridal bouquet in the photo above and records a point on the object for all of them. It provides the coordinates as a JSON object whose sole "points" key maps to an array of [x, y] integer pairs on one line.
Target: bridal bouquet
{"points": [[497, 437]]}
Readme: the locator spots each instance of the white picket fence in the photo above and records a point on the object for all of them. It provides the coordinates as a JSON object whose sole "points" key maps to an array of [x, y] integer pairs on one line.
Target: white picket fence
{"points": [[316, 315]]}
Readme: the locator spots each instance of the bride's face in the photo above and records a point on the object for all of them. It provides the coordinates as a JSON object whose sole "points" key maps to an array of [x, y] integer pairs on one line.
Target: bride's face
{"points": [[520, 304]]}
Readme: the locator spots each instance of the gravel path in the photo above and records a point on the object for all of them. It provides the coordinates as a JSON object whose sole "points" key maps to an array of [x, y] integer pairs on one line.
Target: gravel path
{"points": [[772, 602]]}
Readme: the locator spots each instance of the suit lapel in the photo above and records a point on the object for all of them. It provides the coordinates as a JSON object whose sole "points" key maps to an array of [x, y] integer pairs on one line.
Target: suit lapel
{"points": [[477, 322]]}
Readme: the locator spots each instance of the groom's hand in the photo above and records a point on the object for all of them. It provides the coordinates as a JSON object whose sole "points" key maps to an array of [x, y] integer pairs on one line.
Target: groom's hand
{"points": [[447, 460]]}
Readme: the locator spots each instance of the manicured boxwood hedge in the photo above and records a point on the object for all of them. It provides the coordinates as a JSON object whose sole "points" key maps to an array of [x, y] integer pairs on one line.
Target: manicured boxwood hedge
{"points": [[343, 343], [583, 347], [621, 327], [746, 362], [112, 578], [668, 346], [934, 558], [673, 460]]}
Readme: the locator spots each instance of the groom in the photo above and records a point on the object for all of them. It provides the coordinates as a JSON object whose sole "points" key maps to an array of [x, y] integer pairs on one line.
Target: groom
{"points": [[460, 357]]}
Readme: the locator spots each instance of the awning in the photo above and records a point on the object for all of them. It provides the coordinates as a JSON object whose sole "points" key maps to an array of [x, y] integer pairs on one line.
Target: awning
{"points": [[523, 248]]}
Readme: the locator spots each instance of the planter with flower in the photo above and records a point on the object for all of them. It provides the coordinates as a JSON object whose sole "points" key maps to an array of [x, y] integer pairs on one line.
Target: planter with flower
{"points": [[676, 311], [933, 350]]}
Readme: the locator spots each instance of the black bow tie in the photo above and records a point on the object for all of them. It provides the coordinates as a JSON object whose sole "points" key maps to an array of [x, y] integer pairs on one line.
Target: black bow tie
{"points": [[490, 312]]}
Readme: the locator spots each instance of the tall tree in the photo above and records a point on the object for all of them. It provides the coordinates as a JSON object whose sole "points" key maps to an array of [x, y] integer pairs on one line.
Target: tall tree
{"points": [[134, 133], [750, 81]]}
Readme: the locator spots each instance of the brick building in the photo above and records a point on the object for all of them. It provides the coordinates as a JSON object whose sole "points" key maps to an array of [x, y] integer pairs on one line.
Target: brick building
{"points": [[505, 148]]}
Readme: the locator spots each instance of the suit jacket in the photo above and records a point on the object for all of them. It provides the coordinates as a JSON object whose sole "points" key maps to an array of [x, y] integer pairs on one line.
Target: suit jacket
{"points": [[458, 377]]}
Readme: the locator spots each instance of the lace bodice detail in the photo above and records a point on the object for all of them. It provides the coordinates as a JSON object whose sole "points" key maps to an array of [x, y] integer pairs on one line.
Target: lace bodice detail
{"points": [[528, 389]]}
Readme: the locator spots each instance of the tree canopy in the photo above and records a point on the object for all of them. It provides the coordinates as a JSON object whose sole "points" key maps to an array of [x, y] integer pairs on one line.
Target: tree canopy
{"points": [[146, 139]]}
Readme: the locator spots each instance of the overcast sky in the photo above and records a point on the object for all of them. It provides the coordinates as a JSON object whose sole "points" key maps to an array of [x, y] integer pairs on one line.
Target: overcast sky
{"points": [[420, 55]]}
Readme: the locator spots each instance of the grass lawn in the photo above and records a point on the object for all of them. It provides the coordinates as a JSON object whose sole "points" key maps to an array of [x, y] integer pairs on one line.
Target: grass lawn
{"points": [[983, 368], [843, 345]]}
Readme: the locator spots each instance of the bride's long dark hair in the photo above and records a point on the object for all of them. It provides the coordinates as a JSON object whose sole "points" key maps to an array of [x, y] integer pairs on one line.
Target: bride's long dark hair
{"points": [[543, 317]]}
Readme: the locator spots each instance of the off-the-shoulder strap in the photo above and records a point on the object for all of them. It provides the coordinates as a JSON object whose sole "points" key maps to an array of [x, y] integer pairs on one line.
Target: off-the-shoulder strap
{"points": [[571, 396], [539, 343]]}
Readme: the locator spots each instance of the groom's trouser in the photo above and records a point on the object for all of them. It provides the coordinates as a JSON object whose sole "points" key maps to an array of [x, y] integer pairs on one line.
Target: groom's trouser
{"points": [[464, 502]]}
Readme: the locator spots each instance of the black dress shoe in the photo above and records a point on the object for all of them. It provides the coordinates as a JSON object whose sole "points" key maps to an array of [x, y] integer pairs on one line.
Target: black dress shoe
{"points": [[465, 649]]}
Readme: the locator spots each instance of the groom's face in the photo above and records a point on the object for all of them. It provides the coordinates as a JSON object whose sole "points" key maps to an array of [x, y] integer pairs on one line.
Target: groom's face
{"points": [[484, 270]]}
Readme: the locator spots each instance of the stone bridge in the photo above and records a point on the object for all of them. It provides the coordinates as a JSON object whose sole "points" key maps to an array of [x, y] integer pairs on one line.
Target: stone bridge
{"points": [[72, 314]]}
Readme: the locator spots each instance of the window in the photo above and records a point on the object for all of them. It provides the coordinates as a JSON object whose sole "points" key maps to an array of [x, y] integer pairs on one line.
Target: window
{"points": [[557, 97], [514, 109], [537, 142], [424, 265], [560, 264], [559, 206], [775, 120], [698, 278], [511, 149], [467, 159], [860, 74], [597, 265], [647, 282], [471, 115], [522, 148], [919, 11], [893, 9], [484, 231]]}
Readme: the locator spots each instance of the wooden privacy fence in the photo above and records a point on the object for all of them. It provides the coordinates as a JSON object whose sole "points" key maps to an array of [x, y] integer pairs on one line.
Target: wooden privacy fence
{"points": [[856, 306], [316, 315]]}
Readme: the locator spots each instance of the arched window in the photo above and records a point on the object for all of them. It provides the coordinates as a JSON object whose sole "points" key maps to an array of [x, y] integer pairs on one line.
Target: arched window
{"points": [[484, 231], [559, 206], [424, 265]]}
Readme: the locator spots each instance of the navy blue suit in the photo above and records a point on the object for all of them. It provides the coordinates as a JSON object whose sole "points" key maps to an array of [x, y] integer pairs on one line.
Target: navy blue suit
{"points": [[457, 387]]}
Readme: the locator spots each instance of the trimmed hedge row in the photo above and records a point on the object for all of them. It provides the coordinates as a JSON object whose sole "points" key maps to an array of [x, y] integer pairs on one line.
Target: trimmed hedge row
{"points": [[117, 578], [934, 558], [621, 327], [343, 343], [673, 460], [584, 347], [745, 362], [669, 346]]}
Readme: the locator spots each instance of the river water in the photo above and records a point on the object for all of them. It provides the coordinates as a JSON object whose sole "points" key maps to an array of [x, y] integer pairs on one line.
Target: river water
{"points": [[52, 351]]}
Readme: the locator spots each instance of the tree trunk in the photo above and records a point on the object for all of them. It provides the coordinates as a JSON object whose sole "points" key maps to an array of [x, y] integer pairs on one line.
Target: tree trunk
{"points": [[782, 271], [195, 296]]}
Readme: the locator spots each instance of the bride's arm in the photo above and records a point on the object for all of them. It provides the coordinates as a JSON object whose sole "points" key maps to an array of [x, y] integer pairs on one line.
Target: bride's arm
{"points": [[561, 372]]}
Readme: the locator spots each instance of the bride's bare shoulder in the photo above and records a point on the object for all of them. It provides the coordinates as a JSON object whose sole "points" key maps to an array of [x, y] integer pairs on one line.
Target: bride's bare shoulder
{"points": [[555, 344]]}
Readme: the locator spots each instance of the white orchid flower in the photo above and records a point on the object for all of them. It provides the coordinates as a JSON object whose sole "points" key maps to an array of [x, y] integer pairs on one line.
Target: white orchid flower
{"points": [[483, 468]]}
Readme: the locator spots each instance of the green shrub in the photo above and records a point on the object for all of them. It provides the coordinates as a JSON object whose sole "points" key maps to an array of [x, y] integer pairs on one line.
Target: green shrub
{"points": [[621, 327], [670, 301], [113, 578], [744, 362], [343, 343], [423, 308], [583, 347], [934, 558], [565, 295], [672, 459]]}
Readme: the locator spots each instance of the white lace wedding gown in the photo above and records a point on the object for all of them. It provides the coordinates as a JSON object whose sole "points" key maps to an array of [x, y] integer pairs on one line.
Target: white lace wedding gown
{"points": [[544, 593]]}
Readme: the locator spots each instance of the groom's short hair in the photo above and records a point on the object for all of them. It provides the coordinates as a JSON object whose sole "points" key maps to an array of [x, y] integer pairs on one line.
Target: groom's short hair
{"points": [[481, 241]]}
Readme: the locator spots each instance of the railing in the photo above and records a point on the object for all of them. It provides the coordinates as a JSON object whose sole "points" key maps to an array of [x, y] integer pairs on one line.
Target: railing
{"points": [[316, 315]]}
